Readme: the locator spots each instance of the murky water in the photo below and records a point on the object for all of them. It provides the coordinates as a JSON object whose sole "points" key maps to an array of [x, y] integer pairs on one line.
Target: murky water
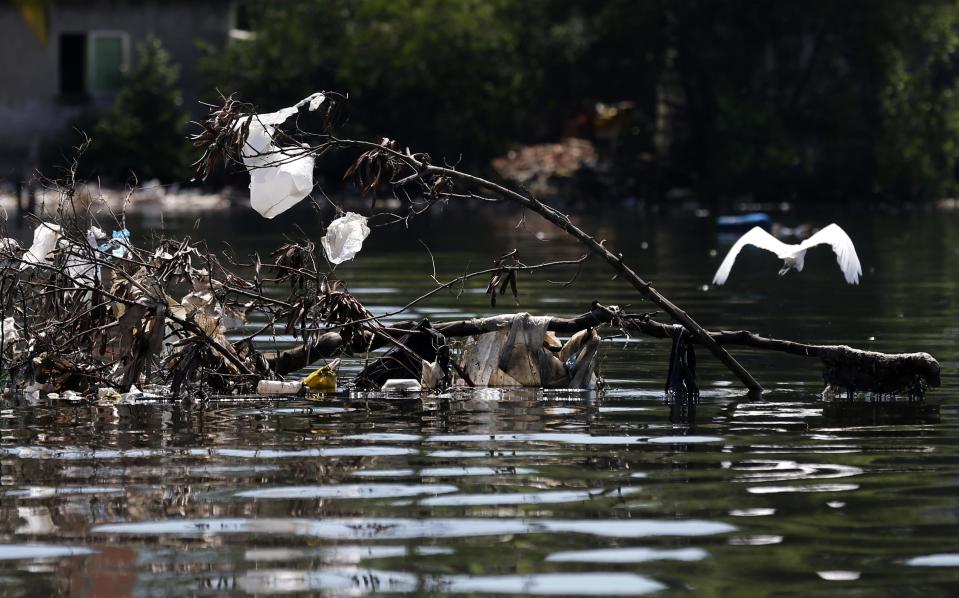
{"points": [[555, 493]]}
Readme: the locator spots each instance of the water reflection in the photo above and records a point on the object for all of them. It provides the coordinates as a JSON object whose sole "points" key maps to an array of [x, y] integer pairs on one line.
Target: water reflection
{"points": [[880, 413], [359, 581], [393, 529], [682, 411], [420, 497], [40, 552], [639, 554]]}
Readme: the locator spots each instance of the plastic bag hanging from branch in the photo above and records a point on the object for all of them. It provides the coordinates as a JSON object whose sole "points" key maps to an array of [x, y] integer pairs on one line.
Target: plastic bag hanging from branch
{"points": [[344, 237], [281, 174], [45, 238]]}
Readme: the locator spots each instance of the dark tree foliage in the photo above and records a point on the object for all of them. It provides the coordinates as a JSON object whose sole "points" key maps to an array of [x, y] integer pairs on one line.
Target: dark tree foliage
{"points": [[810, 98], [144, 131]]}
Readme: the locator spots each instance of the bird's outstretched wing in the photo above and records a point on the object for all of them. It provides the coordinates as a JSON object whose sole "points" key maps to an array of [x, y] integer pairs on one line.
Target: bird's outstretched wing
{"points": [[757, 237], [845, 251]]}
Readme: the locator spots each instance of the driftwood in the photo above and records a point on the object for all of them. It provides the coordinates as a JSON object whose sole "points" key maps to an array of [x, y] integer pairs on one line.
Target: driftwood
{"points": [[385, 164], [854, 370]]}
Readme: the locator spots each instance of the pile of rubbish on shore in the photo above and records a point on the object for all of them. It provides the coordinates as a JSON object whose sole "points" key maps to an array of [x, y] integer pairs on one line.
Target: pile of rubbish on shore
{"points": [[148, 197], [539, 168]]}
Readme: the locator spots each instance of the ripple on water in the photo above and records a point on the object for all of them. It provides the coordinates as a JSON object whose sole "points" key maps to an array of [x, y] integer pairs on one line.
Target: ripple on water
{"points": [[779, 470], [313, 410], [79, 454], [756, 512], [334, 451], [806, 488], [944, 559], [443, 472], [685, 439], [384, 473], [400, 528], [756, 540], [639, 554], [514, 498], [384, 437], [18, 552], [553, 584], [360, 581], [557, 437], [48, 492], [838, 575], [454, 454], [350, 554], [344, 491], [347, 554]]}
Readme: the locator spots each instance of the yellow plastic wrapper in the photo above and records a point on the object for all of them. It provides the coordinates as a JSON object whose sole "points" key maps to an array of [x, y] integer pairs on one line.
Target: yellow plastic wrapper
{"points": [[323, 379]]}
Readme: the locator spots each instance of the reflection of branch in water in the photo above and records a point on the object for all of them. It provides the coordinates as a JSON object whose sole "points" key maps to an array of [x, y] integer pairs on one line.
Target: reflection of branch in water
{"points": [[880, 413], [682, 410]]}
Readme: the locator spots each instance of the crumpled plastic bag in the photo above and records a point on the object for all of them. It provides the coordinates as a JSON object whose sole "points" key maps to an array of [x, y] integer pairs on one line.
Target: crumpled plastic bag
{"points": [[344, 237], [79, 265], [280, 177], [9, 244], [45, 238], [513, 354], [10, 334], [117, 244], [432, 375]]}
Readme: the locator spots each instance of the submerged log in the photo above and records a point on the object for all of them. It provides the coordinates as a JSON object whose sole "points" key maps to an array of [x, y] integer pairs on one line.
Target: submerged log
{"points": [[854, 370]]}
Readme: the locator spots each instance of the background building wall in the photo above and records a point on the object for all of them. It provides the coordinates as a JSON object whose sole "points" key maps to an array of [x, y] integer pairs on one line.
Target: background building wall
{"points": [[32, 109]]}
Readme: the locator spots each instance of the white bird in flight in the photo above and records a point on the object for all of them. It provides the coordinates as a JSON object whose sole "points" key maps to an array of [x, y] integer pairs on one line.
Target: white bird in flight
{"points": [[795, 255]]}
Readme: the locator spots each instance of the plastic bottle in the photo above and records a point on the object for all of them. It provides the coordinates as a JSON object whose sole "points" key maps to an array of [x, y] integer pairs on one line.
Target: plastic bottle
{"points": [[278, 387]]}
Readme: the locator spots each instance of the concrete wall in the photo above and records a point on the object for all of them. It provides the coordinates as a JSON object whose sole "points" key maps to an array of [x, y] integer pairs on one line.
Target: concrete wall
{"points": [[31, 109]]}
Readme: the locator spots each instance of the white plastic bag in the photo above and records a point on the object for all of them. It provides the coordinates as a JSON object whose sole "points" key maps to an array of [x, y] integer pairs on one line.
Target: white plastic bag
{"points": [[344, 237], [45, 239], [276, 189], [10, 334], [79, 267], [280, 177]]}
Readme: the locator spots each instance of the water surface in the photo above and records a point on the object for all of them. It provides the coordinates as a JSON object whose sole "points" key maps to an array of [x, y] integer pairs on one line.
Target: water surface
{"points": [[524, 492]]}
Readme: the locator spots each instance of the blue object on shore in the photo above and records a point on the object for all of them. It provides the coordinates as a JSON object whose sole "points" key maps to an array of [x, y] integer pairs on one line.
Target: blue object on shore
{"points": [[744, 221]]}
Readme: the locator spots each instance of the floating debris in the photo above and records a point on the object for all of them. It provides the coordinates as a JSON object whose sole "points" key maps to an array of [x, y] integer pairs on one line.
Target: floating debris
{"points": [[536, 167], [322, 379]]}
